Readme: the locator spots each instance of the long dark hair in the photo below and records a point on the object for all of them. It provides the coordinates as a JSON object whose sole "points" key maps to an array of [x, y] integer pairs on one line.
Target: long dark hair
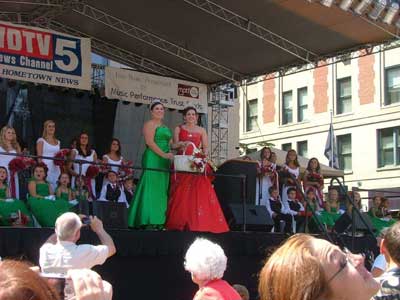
{"points": [[88, 147], [119, 146], [296, 162], [155, 103], [262, 153], [186, 110], [318, 169]]}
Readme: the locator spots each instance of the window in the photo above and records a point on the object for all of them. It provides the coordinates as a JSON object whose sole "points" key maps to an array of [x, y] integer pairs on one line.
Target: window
{"points": [[302, 148], [344, 152], [251, 116], [251, 150], [286, 147], [389, 147], [287, 109], [302, 106], [392, 85], [343, 95]]}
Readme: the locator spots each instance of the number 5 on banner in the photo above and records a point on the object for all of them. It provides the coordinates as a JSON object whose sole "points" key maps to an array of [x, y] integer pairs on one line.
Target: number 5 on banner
{"points": [[62, 50]]}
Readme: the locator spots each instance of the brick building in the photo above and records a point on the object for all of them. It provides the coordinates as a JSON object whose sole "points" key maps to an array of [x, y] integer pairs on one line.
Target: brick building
{"points": [[363, 93]]}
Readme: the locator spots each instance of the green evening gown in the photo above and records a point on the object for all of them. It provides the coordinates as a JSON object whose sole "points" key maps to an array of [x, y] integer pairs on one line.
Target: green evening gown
{"points": [[47, 211], [150, 200], [9, 207]]}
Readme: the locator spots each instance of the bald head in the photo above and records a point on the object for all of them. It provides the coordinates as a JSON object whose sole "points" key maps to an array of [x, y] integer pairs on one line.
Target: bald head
{"points": [[67, 226]]}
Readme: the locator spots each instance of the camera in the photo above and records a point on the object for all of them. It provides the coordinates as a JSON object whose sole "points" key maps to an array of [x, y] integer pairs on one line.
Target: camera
{"points": [[61, 284], [86, 220]]}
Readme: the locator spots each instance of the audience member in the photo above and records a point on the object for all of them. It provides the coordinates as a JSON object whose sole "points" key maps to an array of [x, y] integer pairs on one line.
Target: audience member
{"points": [[379, 265], [242, 291], [60, 252], [390, 280], [19, 282], [206, 261], [88, 285], [329, 273]]}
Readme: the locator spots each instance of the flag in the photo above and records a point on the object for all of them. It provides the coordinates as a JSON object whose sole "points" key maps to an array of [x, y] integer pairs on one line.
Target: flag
{"points": [[330, 149]]}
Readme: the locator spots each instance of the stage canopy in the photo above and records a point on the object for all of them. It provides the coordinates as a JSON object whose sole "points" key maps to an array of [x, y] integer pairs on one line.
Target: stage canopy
{"points": [[200, 40]]}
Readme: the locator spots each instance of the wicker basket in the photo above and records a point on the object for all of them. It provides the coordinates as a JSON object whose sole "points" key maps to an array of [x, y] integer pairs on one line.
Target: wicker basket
{"points": [[183, 162]]}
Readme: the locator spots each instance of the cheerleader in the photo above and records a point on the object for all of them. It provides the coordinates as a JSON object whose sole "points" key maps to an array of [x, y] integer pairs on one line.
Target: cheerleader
{"points": [[314, 180], [8, 143], [267, 176], [292, 167], [83, 152], [48, 145], [114, 157]]}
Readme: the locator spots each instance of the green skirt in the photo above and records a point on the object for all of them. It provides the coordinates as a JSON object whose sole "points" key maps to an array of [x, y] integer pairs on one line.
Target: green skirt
{"points": [[46, 211], [329, 218], [9, 207], [379, 224]]}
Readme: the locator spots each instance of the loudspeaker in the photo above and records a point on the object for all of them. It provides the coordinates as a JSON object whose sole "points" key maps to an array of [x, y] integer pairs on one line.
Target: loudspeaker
{"points": [[345, 222], [229, 189], [113, 214], [257, 218]]}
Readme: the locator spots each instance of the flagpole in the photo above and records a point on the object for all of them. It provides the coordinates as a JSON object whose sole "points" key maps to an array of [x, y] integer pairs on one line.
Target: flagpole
{"points": [[332, 145]]}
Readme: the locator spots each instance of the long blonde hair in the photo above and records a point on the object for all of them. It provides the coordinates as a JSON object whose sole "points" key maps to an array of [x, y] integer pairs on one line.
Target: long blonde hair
{"points": [[14, 143], [45, 124]]}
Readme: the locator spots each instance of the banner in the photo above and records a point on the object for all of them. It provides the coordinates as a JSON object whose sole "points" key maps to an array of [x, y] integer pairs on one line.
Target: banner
{"points": [[44, 56], [144, 88]]}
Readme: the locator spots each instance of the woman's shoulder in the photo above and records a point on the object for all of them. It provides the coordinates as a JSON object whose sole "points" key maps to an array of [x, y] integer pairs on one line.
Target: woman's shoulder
{"points": [[40, 140]]}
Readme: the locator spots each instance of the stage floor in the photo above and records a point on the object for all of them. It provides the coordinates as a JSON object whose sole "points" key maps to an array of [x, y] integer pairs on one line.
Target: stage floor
{"points": [[149, 264]]}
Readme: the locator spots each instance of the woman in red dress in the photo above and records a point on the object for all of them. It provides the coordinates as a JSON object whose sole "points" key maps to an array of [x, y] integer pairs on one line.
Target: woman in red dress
{"points": [[193, 204]]}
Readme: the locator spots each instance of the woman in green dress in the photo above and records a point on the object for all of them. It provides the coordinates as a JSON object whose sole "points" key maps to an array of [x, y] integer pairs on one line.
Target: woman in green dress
{"points": [[41, 199], [149, 204], [13, 212]]}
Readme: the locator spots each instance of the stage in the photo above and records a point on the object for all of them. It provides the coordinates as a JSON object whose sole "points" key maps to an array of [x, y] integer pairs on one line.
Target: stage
{"points": [[149, 264]]}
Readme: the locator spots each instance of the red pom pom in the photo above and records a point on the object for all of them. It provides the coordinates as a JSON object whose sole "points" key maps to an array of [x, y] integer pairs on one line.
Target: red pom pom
{"points": [[20, 163], [92, 171], [125, 170], [62, 154]]}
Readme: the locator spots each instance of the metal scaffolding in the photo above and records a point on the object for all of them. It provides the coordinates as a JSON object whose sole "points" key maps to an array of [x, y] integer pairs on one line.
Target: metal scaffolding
{"points": [[222, 98]]}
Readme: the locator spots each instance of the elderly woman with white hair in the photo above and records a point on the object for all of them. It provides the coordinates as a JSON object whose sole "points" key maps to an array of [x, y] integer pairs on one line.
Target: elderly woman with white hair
{"points": [[206, 261]]}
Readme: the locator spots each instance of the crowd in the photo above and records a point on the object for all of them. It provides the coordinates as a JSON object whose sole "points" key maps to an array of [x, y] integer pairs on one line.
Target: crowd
{"points": [[281, 190], [184, 201], [331, 272]]}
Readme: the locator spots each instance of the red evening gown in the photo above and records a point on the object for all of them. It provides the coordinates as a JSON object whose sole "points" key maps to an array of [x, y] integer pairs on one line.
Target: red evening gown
{"points": [[193, 204]]}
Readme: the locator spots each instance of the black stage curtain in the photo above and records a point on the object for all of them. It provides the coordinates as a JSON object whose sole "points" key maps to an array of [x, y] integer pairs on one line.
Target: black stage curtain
{"points": [[149, 264]]}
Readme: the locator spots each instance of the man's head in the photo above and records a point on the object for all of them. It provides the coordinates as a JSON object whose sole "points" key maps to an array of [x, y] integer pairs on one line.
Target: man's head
{"points": [[391, 244], [112, 176], [291, 193], [68, 227], [273, 192], [242, 291]]}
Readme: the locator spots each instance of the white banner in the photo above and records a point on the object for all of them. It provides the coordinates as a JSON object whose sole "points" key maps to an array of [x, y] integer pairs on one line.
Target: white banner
{"points": [[140, 87], [44, 56]]}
